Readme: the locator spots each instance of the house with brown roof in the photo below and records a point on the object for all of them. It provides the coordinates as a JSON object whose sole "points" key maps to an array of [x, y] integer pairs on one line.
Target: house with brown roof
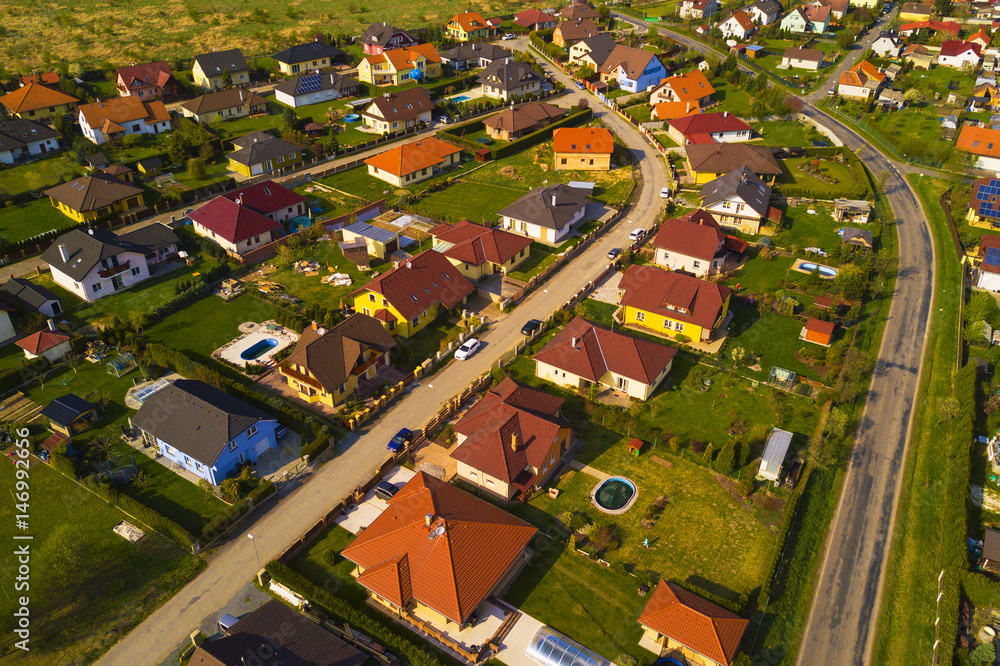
{"points": [[410, 163], [235, 228], [411, 296], [48, 343], [583, 353], [568, 33], [818, 332], [395, 67], [862, 81], [740, 200], [436, 548], [633, 69], [535, 19], [919, 56], [397, 111], [148, 81], [470, 27], [707, 161], [91, 198], [695, 243], [915, 11], [122, 116], [224, 105], [547, 214], [691, 86], [21, 139], [35, 101], [479, 251], [579, 9], [582, 148], [797, 58], [697, 9], [513, 123], [984, 143], [511, 440], [330, 366], [738, 26], [258, 153], [673, 304], [678, 621]]}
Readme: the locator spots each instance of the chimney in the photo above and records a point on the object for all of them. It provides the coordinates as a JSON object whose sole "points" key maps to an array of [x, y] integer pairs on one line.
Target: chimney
{"points": [[100, 103], [241, 95], [725, 114], [513, 441], [573, 343], [315, 326], [52, 325], [553, 199], [63, 253], [409, 265], [428, 519]]}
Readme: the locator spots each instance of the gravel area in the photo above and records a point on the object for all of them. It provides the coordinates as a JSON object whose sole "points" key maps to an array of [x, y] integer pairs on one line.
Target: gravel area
{"points": [[607, 290]]}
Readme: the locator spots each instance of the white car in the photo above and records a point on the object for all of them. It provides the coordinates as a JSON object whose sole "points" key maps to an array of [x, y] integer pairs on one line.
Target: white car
{"points": [[509, 36], [664, 192], [470, 347], [636, 234]]}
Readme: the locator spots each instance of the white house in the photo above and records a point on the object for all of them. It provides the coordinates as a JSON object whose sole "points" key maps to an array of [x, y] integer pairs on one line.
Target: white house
{"points": [[234, 227], [48, 343], [802, 58], [764, 12], [698, 9], [21, 138], [315, 88], [121, 116], [738, 26], [888, 45], [96, 263], [738, 200], [694, 243], [547, 214], [959, 55], [862, 81]]}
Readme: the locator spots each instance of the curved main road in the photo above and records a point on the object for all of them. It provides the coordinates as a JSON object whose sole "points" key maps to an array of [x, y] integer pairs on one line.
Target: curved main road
{"points": [[845, 606]]}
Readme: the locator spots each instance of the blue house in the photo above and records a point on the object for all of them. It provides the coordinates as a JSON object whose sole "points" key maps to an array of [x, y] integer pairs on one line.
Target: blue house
{"points": [[203, 429], [635, 70]]}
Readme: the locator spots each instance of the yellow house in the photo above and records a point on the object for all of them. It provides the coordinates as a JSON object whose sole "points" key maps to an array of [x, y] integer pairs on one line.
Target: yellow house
{"points": [[708, 161], [673, 304], [91, 198], [397, 66], [582, 148], [303, 58], [210, 69], [259, 153], [469, 26], [328, 366], [479, 251], [408, 298], [36, 102]]}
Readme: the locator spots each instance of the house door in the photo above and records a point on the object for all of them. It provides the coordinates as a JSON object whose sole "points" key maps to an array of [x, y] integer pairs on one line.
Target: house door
{"points": [[56, 308], [116, 283], [268, 165], [622, 384]]}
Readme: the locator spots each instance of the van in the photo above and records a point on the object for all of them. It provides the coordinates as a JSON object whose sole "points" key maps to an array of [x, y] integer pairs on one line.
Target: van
{"points": [[226, 623], [385, 490]]}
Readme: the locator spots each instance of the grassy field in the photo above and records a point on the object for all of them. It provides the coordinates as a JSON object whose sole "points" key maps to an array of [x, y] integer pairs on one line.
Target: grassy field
{"points": [[20, 222], [334, 203], [904, 632], [43, 173], [210, 323], [787, 134], [805, 229], [732, 99], [476, 202], [89, 587], [840, 173]]}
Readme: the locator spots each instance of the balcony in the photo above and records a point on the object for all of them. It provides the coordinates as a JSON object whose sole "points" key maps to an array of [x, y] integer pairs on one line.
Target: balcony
{"points": [[115, 270]]}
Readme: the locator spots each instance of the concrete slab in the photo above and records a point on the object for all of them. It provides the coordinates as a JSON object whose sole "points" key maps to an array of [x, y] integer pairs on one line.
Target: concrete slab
{"points": [[365, 514], [515, 645]]}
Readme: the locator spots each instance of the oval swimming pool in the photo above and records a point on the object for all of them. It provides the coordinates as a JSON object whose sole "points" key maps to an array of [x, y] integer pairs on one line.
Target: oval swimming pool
{"points": [[825, 271], [258, 349], [299, 223], [352, 117], [614, 495]]}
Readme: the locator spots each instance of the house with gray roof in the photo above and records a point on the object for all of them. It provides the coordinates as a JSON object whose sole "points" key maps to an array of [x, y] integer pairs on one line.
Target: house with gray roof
{"points": [[592, 51], [397, 111], [382, 36], [547, 214], [315, 88], [475, 55], [95, 263], [505, 79], [224, 105], [258, 152], [21, 138], [210, 69], [204, 429], [25, 295], [739, 200], [307, 57]]}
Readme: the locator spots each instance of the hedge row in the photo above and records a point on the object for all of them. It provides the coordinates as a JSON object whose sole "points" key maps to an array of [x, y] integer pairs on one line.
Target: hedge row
{"points": [[10, 379], [316, 447], [361, 619], [541, 135], [151, 518], [458, 136], [738, 607], [786, 526], [221, 521]]}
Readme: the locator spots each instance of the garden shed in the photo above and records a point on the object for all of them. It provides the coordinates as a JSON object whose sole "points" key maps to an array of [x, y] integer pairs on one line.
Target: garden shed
{"points": [[774, 454], [122, 365], [70, 414]]}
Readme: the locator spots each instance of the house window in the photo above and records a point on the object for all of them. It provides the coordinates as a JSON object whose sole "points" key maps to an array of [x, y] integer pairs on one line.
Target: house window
{"points": [[591, 162], [472, 475], [489, 482], [136, 271], [563, 161], [232, 445], [252, 431], [697, 264], [96, 288], [640, 316], [281, 158], [667, 323], [679, 327], [415, 322], [371, 297]]}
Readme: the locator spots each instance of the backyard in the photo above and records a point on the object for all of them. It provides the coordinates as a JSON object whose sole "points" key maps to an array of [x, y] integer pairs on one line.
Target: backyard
{"points": [[774, 339], [809, 225], [43, 173], [798, 171], [25, 221], [786, 134], [208, 324]]}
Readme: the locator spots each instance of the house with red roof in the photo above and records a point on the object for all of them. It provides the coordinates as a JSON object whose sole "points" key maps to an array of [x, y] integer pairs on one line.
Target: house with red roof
{"points": [[738, 26], [910, 29], [988, 268], [535, 19], [49, 343], [413, 162], [235, 228], [270, 199], [583, 353], [479, 251], [151, 80], [671, 303], [960, 55], [818, 332], [438, 549], [695, 243], [691, 86], [709, 128], [676, 620], [411, 296], [512, 439]]}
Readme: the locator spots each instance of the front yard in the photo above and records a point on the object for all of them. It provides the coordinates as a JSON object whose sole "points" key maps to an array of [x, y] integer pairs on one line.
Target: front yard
{"points": [[29, 220]]}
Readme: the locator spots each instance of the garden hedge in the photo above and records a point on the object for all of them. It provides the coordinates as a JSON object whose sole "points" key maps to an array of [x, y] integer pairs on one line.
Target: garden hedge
{"points": [[151, 518], [541, 135], [222, 520], [382, 629], [786, 526], [436, 89], [316, 447]]}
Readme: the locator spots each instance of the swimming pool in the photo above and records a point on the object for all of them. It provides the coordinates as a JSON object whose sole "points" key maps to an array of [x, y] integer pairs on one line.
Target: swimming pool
{"points": [[299, 223], [825, 271], [258, 349], [461, 98], [352, 117], [614, 495]]}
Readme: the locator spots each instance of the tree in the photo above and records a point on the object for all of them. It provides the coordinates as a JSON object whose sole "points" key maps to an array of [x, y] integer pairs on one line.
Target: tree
{"points": [[288, 119], [726, 461], [836, 423], [745, 486], [913, 95], [230, 489], [942, 7], [985, 653], [196, 168], [738, 354], [584, 72], [227, 79], [948, 409], [674, 443], [141, 479], [852, 281], [709, 453]]}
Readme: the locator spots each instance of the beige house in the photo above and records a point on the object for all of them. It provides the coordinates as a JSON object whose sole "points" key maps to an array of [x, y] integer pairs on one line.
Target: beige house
{"points": [[582, 148], [478, 251], [224, 105], [210, 69], [398, 111], [584, 353], [235, 228], [411, 163]]}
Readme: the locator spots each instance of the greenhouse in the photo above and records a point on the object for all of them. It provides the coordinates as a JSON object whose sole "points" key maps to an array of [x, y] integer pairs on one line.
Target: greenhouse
{"points": [[551, 649]]}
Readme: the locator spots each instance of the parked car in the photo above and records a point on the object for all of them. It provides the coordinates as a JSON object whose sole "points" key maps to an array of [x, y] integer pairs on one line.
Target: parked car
{"points": [[226, 622], [530, 326], [636, 234], [664, 192], [509, 36], [613, 254], [831, 92], [385, 490], [580, 85], [470, 347], [280, 432], [400, 440]]}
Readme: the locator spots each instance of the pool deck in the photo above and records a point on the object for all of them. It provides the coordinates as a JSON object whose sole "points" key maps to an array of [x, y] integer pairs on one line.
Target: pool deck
{"points": [[797, 266], [251, 335]]}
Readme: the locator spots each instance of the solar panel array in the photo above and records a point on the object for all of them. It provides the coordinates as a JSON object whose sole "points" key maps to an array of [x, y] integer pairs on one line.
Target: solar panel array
{"points": [[309, 83], [992, 257], [989, 208]]}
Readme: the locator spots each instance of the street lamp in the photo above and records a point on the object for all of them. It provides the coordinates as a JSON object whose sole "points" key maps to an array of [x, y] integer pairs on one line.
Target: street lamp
{"points": [[256, 554]]}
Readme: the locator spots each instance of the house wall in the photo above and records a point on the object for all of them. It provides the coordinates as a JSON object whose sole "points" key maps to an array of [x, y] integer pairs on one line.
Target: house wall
{"points": [[481, 479], [499, 93], [138, 126], [558, 376], [799, 63], [372, 117], [304, 66], [33, 148], [794, 23], [280, 162], [664, 325], [235, 452], [93, 287], [93, 215], [693, 658], [370, 302], [544, 234], [308, 98], [54, 354], [677, 261], [737, 216], [203, 80], [989, 281], [959, 61], [740, 136], [653, 74], [857, 92], [235, 249], [47, 112], [583, 162]]}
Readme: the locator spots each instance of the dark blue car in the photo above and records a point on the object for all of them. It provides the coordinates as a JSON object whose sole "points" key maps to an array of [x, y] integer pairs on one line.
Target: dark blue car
{"points": [[400, 440]]}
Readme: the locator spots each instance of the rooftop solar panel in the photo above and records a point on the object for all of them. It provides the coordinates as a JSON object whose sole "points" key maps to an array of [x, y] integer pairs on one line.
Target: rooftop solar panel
{"points": [[992, 256]]}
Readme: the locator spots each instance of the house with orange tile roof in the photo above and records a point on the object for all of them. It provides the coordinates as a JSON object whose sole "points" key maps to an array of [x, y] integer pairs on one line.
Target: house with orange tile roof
{"points": [[695, 243], [437, 549], [673, 304], [45, 78], [738, 26], [470, 27], [582, 148], [691, 86], [35, 101], [675, 619], [583, 353], [49, 343], [395, 67], [984, 143], [410, 297], [151, 80], [512, 439], [411, 163], [479, 251], [862, 81], [121, 116], [674, 110], [980, 37]]}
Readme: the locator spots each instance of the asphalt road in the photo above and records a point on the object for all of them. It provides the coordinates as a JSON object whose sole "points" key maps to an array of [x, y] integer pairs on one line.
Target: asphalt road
{"points": [[839, 630], [361, 454]]}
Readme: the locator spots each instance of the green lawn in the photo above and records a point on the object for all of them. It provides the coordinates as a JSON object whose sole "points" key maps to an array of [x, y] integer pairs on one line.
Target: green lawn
{"points": [[334, 203], [803, 229], [733, 100], [914, 132], [533, 265], [36, 175], [214, 173], [840, 174], [473, 201], [210, 323], [20, 222], [774, 338], [89, 587], [786, 134], [641, 112], [358, 183], [761, 276]]}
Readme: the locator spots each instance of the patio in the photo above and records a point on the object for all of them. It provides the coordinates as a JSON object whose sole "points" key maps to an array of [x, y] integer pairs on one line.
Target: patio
{"points": [[257, 343]]}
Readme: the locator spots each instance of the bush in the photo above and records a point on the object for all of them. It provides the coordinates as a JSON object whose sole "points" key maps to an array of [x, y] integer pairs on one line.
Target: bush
{"points": [[625, 659], [230, 489], [619, 568], [263, 490], [726, 462], [745, 486], [541, 135], [316, 447], [63, 465]]}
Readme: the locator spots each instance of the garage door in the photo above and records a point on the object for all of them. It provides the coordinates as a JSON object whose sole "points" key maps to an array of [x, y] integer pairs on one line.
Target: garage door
{"points": [[262, 446]]}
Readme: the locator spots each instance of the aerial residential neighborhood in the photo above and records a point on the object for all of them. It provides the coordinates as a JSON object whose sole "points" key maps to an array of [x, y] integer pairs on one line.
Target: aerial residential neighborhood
{"points": [[573, 334]]}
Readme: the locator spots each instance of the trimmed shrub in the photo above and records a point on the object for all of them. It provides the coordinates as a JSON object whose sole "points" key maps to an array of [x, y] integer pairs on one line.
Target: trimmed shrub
{"points": [[316, 447]]}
